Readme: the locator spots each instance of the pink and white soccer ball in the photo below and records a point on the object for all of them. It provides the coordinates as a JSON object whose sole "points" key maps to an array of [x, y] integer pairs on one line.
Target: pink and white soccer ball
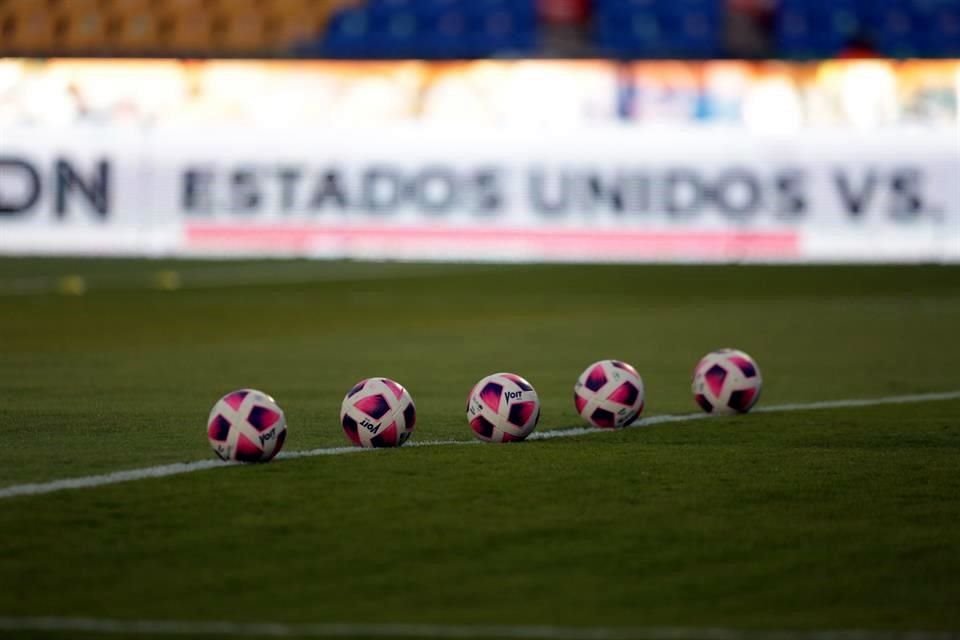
{"points": [[378, 412], [609, 394], [246, 426], [503, 407], [727, 381]]}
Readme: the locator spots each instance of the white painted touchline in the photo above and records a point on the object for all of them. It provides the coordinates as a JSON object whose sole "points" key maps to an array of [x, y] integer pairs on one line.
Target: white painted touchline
{"points": [[163, 471], [437, 631], [865, 402]]}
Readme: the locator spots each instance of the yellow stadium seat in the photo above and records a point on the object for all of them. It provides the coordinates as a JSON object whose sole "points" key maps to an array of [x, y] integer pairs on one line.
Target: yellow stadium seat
{"points": [[21, 6], [137, 34], [191, 35], [239, 6], [28, 28], [180, 7], [75, 7], [293, 21], [336, 5], [127, 8], [81, 26], [285, 31], [311, 10], [85, 32], [240, 32], [238, 26], [287, 7], [26, 6], [134, 27]]}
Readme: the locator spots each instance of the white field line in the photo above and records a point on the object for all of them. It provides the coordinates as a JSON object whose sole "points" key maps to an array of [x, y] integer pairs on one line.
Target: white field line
{"points": [[162, 471], [492, 632]]}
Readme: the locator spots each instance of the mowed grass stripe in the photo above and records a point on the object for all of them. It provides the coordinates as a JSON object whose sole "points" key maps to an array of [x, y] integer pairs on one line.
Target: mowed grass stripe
{"points": [[162, 471]]}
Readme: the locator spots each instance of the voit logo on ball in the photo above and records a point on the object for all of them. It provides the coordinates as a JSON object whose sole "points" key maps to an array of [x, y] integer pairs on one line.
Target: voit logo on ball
{"points": [[246, 425], [378, 412]]}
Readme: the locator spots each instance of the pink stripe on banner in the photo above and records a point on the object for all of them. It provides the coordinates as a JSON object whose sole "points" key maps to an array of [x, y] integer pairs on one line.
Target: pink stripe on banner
{"points": [[553, 243]]}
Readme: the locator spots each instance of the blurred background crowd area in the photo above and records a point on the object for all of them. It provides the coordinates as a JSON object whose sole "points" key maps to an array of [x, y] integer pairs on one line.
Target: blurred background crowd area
{"points": [[764, 97], [452, 29], [763, 65]]}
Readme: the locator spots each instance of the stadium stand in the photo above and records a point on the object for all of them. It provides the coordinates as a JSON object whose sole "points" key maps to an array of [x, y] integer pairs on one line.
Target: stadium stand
{"points": [[161, 27], [451, 29], [893, 28]]}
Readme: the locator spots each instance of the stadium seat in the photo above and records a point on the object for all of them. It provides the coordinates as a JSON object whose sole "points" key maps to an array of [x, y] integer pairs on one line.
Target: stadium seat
{"points": [[944, 39], [84, 31], [77, 6], [191, 34], [895, 28], [395, 29], [288, 7], [181, 7], [431, 29], [660, 28], [27, 27], [130, 7], [297, 25], [137, 34], [914, 28], [448, 33], [240, 32], [346, 36], [238, 7], [500, 26], [807, 29], [283, 32]]}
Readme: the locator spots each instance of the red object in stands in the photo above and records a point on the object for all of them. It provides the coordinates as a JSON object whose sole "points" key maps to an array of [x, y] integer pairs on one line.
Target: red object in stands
{"points": [[564, 11]]}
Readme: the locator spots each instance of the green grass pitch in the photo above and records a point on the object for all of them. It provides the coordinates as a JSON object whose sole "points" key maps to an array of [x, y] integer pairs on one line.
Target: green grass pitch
{"points": [[829, 519]]}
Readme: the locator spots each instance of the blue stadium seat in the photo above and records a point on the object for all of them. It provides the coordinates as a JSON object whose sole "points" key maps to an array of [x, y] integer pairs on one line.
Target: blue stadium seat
{"points": [[660, 28], [431, 29], [895, 28], [346, 36], [506, 26], [945, 35], [914, 28], [806, 29], [687, 29]]}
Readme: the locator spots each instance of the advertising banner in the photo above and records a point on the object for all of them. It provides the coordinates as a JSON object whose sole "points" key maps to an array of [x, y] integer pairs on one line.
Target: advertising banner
{"points": [[603, 193]]}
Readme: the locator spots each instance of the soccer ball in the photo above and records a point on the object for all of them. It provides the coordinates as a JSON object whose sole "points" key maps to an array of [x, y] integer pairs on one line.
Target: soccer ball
{"points": [[247, 426], [609, 394], [378, 412], [503, 407], [727, 381]]}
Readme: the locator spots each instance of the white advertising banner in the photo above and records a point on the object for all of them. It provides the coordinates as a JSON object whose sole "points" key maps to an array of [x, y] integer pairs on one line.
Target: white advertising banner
{"points": [[422, 192]]}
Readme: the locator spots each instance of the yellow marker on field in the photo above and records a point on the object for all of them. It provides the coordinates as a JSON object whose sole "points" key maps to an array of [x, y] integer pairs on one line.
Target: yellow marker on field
{"points": [[167, 280], [72, 286]]}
